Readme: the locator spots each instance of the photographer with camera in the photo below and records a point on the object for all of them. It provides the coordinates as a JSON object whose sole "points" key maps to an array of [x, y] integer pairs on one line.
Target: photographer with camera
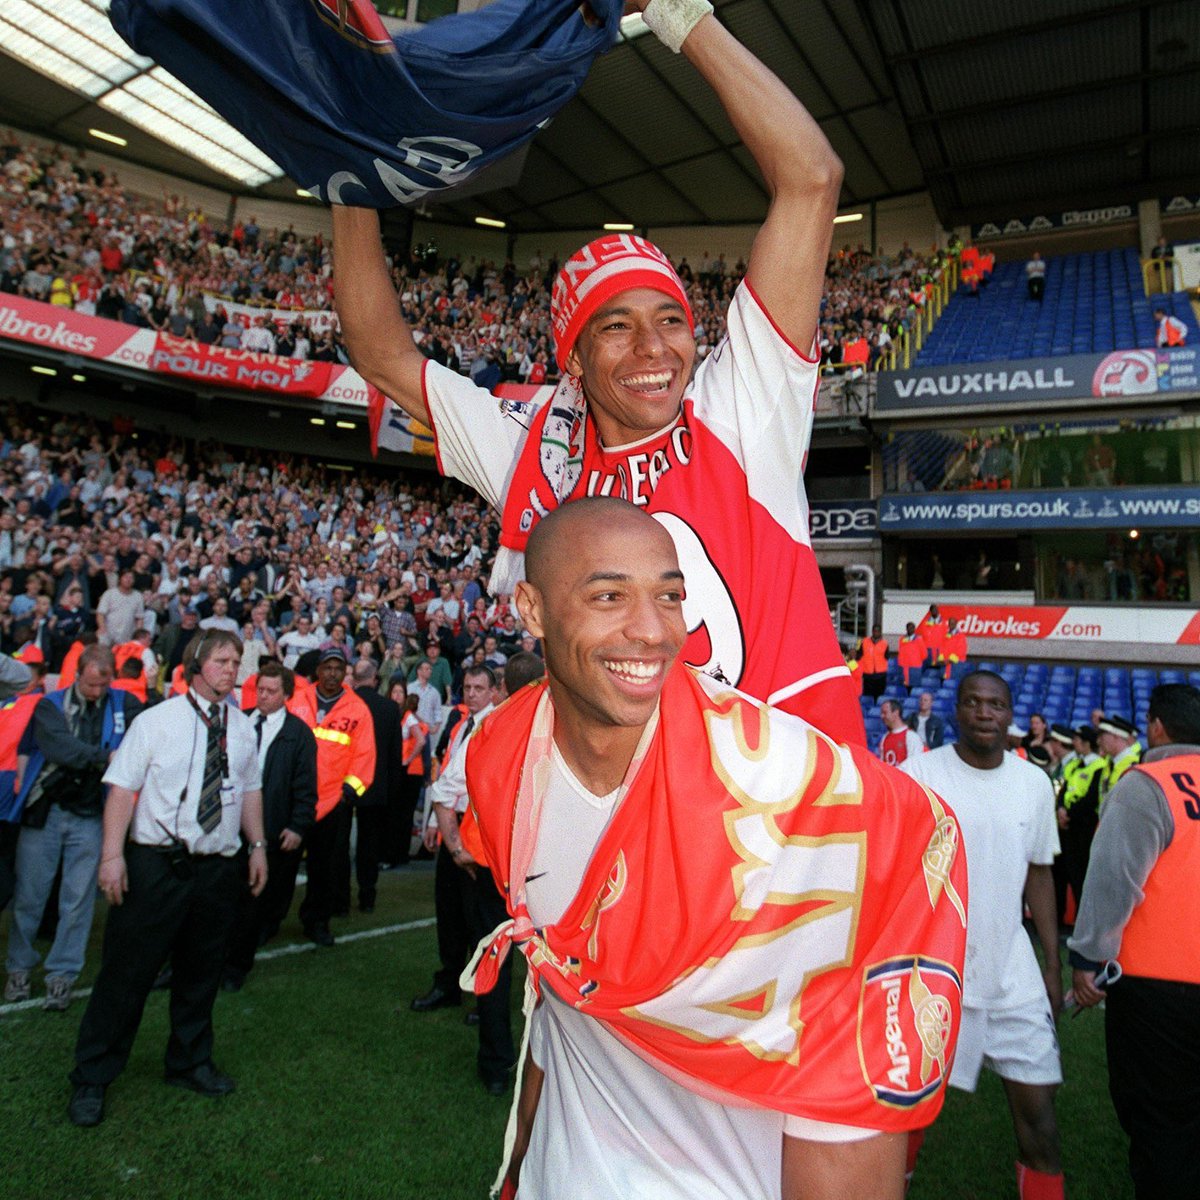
{"points": [[184, 787], [73, 734]]}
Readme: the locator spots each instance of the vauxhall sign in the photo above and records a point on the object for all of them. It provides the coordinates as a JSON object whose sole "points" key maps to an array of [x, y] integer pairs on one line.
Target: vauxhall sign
{"points": [[1119, 375]]}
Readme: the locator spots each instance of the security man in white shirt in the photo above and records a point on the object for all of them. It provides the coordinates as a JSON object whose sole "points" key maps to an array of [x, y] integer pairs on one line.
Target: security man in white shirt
{"points": [[172, 870]]}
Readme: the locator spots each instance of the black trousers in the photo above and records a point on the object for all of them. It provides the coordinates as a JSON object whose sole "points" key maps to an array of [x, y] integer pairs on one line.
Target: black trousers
{"points": [[259, 917], [454, 904], [1152, 1031], [497, 1054], [875, 685], [371, 821], [183, 910], [321, 844], [397, 835]]}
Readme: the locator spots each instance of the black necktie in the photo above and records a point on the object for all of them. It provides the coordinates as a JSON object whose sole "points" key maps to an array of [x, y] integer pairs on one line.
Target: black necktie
{"points": [[258, 728], [208, 811], [467, 728]]}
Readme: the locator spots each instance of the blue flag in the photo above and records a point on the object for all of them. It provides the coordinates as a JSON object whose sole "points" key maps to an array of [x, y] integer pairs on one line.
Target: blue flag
{"points": [[358, 116]]}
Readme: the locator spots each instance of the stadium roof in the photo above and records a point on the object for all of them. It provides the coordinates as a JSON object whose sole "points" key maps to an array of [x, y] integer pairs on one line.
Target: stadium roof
{"points": [[997, 110]]}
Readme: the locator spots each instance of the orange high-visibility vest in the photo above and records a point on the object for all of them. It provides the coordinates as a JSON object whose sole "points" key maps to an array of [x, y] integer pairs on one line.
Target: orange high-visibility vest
{"points": [[933, 634], [954, 648], [70, 665], [1151, 945], [124, 652], [911, 651], [1172, 331], [874, 656], [345, 751], [15, 715], [136, 686], [411, 729]]}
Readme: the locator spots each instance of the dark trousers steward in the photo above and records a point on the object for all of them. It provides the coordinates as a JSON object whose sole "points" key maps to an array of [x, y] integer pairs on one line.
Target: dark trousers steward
{"points": [[875, 685], [497, 1055], [183, 910], [259, 917], [1152, 1031], [398, 830], [371, 821], [321, 850], [454, 903]]}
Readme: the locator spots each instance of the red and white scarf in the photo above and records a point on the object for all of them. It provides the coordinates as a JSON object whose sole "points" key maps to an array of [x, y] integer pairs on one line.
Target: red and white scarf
{"points": [[770, 918]]}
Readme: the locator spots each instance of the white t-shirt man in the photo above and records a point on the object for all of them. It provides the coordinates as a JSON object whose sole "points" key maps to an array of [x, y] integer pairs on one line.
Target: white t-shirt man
{"points": [[607, 1121], [1007, 818]]}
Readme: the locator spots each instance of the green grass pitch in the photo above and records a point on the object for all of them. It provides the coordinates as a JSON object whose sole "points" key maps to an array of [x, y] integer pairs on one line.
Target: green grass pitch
{"points": [[340, 1096]]}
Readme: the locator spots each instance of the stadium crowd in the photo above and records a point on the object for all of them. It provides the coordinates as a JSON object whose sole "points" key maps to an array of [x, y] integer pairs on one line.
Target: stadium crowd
{"points": [[73, 236]]}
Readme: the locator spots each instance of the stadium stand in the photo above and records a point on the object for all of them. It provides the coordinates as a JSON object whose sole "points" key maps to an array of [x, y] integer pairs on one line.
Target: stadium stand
{"points": [[1094, 302]]}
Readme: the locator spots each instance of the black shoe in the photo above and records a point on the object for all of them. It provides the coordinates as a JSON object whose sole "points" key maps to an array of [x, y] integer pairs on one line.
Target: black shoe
{"points": [[163, 980], [232, 981], [87, 1105], [366, 906], [319, 934], [495, 1087], [472, 1018], [342, 912], [205, 1079], [436, 998]]}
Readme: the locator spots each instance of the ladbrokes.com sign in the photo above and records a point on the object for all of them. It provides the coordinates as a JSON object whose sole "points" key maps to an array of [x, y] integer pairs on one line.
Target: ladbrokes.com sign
{"points": [[1073, 623]]}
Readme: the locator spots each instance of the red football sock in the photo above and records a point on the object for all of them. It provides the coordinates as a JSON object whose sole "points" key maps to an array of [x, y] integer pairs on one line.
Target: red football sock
{"points": [[915, 1139], [1037, 1185]]}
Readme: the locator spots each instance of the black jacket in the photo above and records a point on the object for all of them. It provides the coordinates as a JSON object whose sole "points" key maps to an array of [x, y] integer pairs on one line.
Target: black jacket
{"points": [[935, 729], [289, 780], [385, 716]]}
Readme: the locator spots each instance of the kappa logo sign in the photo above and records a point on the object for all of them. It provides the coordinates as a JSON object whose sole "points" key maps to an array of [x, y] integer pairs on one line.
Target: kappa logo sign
{"points": [[908, 1019]]}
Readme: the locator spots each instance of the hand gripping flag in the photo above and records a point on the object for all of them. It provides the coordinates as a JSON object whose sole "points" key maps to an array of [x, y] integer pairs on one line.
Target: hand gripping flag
{"points": [[357, 116]]}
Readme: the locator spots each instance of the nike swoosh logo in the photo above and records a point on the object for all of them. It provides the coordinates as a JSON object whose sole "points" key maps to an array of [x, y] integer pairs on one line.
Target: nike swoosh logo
{"points": [[531, 878]]}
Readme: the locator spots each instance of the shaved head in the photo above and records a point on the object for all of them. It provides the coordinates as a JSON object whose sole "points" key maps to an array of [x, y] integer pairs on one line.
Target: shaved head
{"points": [[551, 552], [604, 592]]}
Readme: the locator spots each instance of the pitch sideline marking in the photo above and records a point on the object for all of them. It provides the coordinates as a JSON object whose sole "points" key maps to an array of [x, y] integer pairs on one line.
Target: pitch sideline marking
{"points": [[264, 956]]}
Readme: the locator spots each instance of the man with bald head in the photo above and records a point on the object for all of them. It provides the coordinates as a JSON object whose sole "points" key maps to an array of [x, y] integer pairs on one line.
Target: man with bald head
{"points": [[699, 925]]}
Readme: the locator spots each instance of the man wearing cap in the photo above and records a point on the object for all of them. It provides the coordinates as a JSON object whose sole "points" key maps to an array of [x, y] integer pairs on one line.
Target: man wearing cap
{"points": [[631, 419], [1141, 907], [345, 769], [1078, 809], [1118, 742]]}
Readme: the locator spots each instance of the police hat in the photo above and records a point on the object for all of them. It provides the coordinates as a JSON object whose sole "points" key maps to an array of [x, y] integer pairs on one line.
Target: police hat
{"points": [[1062, 733], [1038, 755], [1118, 725]]}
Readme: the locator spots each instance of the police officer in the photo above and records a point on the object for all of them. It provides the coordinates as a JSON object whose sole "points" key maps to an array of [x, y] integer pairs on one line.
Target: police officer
{"points": [[1141, 907], [172, 868]]}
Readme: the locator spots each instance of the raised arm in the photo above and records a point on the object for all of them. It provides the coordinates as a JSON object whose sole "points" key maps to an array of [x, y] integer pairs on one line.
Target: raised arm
{"points": [[377, 337], [802, 173]]}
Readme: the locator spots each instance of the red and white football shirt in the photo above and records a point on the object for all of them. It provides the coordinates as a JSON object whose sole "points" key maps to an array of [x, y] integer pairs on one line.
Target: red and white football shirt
{"points": [[726, 481]]}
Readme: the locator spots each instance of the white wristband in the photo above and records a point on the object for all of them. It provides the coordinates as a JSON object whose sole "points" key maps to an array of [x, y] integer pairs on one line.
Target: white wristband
{"points": [[672, 20]]}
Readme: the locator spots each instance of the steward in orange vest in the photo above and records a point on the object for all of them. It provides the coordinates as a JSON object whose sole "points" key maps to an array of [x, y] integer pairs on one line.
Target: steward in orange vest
{"points": [[932, 631], [70, 663], [15, 715], [872, 657], [910, 654], [345, 736], [131, 677], [954, 648], [1141, 909]]}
